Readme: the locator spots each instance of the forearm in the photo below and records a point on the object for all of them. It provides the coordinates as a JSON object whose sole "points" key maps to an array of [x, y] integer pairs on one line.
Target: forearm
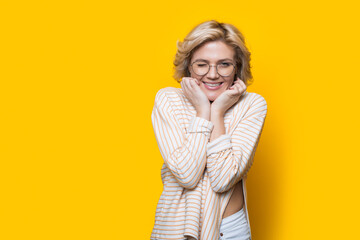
{"points": [[183, 149], [204, 113], [217, 118], [188, 161]]}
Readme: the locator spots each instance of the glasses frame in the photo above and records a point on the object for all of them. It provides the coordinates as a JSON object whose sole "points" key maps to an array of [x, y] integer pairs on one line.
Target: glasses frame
{"points": [[211, 65]]}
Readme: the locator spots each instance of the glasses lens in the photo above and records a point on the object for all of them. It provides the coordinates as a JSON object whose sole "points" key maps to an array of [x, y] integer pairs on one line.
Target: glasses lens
{"points": [[225, 68], [200, 68]]}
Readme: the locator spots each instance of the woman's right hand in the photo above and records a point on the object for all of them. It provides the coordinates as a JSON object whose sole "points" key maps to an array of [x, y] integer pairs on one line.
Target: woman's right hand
{"points": [[196, 96]]}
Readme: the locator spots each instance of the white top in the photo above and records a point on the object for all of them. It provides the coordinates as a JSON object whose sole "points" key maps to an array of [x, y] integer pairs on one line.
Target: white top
{"points": [[198, 176]]}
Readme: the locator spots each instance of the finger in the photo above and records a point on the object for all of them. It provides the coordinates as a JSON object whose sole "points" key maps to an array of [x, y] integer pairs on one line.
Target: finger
{"points": [[238, 80], [242, 83], [194, 83], [182, 83], [184, 86], [191, 84], [243, 87], [233, 90], [197, 81], [186, 80], [233, 86], [197, 84], [236, 89], [188, 84], [236, 84]]}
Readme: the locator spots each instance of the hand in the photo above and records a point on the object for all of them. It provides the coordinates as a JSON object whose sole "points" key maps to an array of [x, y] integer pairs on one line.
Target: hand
{"points": [[228, 98], [195, 95]]}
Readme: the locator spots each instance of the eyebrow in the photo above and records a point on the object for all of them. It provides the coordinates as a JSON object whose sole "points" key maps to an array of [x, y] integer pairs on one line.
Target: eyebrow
{"points": [[220, 60]]}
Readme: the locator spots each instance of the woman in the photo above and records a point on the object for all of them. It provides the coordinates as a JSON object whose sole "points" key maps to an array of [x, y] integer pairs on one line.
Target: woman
{"points": [[207, 132]]}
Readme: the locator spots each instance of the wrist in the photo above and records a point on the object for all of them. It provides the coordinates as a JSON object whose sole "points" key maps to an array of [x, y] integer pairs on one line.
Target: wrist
{"points": [[204, 113], [217, 112]]}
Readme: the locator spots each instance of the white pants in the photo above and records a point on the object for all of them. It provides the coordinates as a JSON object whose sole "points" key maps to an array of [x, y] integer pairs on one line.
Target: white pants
{"points": [[235, 227]]}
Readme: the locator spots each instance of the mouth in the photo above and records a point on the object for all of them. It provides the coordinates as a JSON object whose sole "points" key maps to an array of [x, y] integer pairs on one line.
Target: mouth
{"points": [[213, 86]]}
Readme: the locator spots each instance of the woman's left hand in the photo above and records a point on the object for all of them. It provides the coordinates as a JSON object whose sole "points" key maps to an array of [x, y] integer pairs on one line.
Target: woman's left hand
{"points": [[228, 98]]}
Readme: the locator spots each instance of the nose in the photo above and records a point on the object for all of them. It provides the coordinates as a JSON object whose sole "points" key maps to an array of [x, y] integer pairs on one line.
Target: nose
{"points": [[212, 74]]}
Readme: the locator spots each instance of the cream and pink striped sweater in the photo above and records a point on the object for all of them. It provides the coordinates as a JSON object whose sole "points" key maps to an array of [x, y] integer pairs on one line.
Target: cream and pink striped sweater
{"points": [[198, 176]]}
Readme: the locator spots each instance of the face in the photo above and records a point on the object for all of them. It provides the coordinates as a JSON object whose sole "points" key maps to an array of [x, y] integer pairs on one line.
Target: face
{"points": [[214, 52]]}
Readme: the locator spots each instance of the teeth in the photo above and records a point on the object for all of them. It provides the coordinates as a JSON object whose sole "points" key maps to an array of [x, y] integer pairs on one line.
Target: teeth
{"points": [[213, 84]]}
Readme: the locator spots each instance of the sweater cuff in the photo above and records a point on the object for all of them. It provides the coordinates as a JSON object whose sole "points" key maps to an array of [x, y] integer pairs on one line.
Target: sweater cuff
{"points": [[200, 125], [219, 144]]}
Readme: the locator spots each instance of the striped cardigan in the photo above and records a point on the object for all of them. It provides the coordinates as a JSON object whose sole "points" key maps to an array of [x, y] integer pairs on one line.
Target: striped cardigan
{"points": [[198, 176]]}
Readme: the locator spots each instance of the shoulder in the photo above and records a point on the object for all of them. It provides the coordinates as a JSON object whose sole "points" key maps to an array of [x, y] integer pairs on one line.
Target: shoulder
{"points": [[250, 103], [169, 94], [167, 91], [252, 99]]}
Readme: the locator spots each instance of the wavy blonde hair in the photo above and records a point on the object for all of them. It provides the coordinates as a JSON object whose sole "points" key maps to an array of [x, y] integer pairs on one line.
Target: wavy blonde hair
{"points": [[212, 31]]}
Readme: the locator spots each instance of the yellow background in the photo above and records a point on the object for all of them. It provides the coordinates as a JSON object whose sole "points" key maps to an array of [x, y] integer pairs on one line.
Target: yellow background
{"points": [[79, 158]]}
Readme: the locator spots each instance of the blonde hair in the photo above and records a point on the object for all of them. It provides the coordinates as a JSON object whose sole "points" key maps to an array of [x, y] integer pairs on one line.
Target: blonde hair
{"points": [[211, 31]]}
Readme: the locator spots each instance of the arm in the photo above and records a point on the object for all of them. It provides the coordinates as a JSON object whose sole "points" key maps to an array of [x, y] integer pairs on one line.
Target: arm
{"points": [[229, 158], [184, 153]]}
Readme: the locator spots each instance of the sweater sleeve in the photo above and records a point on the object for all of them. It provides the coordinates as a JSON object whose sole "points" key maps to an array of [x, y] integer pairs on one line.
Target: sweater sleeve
{"points": [[184, 152], [229, 158]]}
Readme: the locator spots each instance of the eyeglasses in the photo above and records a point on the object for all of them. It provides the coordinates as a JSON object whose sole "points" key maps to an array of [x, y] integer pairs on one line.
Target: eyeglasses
{"points": [[201, 68]]}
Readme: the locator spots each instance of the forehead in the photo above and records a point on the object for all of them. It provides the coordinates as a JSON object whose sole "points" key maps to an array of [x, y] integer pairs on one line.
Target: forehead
{"points": [[214, 51]]}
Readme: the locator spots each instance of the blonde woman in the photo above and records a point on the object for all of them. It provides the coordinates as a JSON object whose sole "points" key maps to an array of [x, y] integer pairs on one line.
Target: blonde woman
{"points": [[207, 132]]}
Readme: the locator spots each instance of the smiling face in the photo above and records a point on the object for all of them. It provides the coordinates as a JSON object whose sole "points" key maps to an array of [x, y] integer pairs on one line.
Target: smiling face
{"points": [[214, 52]]}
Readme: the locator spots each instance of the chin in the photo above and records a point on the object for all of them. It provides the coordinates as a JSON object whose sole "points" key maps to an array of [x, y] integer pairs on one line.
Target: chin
{"points": [[212, 97]]}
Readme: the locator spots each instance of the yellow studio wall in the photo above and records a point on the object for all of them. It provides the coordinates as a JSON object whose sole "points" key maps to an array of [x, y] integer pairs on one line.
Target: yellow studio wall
{"points": [[78, 156]]}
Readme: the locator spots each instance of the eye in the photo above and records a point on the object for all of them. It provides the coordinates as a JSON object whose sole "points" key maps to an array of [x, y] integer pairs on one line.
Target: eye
{"points": [[225, 64], [201, 64]]}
